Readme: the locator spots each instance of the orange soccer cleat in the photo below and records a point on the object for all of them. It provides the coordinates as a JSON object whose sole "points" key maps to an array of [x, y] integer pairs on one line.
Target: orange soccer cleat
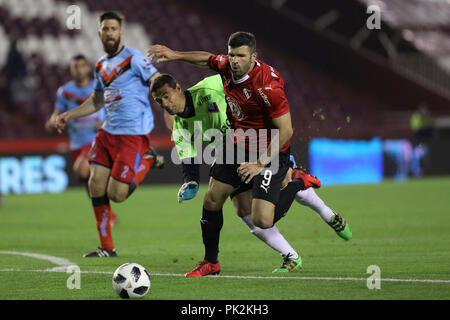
{"points": [[204, 268], [308, 180]]}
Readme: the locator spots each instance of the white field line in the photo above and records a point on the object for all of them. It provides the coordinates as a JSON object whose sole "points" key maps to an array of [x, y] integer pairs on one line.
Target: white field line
{"points": [[240, 277], [63, 264]]}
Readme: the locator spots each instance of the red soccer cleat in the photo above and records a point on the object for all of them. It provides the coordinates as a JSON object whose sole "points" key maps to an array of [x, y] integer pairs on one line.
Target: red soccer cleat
{"points": [[308, 180], [204, 268]]}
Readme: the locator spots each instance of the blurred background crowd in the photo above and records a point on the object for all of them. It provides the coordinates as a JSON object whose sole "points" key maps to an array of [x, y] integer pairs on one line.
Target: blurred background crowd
{"points": [[378, 95]]}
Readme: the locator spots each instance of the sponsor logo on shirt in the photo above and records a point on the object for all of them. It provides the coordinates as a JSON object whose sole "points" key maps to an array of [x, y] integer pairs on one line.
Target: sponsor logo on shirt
{"points": [[203, 99], [273, 72], [247, 93], [111, 95], [264, 97]]}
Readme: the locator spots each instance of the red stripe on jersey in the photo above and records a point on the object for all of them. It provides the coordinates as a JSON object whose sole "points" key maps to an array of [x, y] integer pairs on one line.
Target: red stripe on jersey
{"points": [[108, 78], [73, 97], [112, 99]]}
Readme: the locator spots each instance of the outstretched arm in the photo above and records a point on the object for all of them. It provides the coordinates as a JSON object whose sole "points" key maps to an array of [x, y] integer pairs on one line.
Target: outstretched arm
{"points": [[50, 125], [160, 53], [94, 103]]}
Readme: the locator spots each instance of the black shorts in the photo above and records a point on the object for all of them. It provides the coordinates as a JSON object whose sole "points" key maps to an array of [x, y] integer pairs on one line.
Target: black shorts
{"points": [[264, 186], [244, 187]]}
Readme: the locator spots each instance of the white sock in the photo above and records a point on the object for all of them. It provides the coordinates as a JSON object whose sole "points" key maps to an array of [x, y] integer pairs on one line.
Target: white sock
{"points": [[272, 237], [310, 199]]}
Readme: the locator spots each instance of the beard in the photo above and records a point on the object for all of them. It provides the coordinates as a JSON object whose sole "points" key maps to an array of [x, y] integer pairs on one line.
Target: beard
{"points": [[242, 71], [111, 48], [238, 74]]}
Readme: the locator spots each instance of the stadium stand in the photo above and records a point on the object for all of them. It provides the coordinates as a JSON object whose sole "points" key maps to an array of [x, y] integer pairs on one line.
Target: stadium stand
{"points": [[323, 105]]}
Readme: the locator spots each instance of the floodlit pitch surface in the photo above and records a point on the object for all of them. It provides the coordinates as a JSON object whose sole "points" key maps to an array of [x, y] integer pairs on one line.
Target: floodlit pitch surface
{"points": [[403, 228]]}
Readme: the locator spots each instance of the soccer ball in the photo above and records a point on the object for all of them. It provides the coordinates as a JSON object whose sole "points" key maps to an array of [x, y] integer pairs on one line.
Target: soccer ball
{"points": [[131, 281]]}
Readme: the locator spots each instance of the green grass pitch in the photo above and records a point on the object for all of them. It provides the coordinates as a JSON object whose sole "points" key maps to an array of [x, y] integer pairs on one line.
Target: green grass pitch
{"points": [[404, 228]]}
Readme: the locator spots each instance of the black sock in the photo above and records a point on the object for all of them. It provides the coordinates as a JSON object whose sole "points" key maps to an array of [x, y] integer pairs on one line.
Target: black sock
{"points": [[211, 224], [132, 187], [287, 196], [100, 201]]}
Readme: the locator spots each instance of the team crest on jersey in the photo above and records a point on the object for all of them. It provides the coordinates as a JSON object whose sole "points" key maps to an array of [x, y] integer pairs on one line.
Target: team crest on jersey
{"points": [[110, 74], [213, 107], [247, 93], [235, 109]]}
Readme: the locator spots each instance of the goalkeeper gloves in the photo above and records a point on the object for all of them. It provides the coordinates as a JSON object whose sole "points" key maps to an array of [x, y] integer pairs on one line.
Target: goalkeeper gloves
{"points": [[187, 191]]}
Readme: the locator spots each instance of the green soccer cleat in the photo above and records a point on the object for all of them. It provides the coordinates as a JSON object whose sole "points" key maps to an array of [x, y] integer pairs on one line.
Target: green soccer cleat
{"points": [[289, 264], [341, 227]]}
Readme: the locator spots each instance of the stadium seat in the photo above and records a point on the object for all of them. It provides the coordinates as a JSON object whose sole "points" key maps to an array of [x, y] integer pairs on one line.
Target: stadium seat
{"points": [[182, 27]]}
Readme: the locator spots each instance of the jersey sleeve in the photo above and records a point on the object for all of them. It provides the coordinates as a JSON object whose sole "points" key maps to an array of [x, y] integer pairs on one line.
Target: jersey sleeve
{"points": [[60, 100], [142, 67], [273, 97], [219, 63], [98, 84]]}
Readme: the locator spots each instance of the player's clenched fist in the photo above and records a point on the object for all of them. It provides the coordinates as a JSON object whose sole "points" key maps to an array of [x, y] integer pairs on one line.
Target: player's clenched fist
{"points": [[159, 53], [61, 121]]}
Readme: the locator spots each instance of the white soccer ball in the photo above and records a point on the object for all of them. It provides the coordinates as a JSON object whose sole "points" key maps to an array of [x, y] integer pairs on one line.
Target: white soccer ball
{"points": [[131, 281]]}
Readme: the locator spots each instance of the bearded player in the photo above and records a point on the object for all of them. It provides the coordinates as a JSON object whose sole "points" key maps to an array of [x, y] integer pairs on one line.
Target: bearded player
{"points": [[82, 131], [255, 97], [204, 104], [120, 154]]}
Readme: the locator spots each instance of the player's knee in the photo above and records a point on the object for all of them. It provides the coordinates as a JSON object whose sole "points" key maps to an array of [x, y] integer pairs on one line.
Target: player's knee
{"points": [[213, 202], [81, 173], [262, 222], [242, 202], [117, 197], [81, 168], [243, 211], [95, 187]]}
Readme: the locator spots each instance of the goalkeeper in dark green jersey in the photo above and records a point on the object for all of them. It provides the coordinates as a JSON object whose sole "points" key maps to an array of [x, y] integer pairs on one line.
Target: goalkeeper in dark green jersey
{"points": [[199, 114]]}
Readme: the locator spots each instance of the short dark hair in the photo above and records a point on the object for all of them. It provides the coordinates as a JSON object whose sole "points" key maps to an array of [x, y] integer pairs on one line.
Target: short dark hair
{"points": [[242, 38], [79, 56], [111, 15], [163, 79]]}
